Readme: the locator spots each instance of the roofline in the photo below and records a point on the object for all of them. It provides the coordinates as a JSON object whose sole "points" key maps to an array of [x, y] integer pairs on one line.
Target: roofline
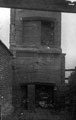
{"points": [[6, 48]]}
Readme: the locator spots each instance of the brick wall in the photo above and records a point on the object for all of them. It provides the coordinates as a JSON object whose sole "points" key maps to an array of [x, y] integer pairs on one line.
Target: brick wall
{"points": [[17, 17], [34, 62], [38, 67], [5, 80], [34, 68]]}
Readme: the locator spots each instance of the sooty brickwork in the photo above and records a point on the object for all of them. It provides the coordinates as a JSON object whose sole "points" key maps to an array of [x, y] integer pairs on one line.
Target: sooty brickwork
{"points": [[5, 80], [38, 67], [29, 28], [35, 41]]}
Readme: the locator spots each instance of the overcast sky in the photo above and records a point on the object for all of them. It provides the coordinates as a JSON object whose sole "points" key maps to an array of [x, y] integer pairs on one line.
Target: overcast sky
{"points": [[5, 25], [68, 38]]}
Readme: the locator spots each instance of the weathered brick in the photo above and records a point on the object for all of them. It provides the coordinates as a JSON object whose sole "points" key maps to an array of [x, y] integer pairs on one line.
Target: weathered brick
{"points": [[35, 60], [5, 80]]}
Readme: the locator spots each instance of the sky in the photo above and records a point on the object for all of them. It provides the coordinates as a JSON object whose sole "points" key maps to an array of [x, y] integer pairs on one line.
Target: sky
{"points": [[68, 38], [68, 34]]}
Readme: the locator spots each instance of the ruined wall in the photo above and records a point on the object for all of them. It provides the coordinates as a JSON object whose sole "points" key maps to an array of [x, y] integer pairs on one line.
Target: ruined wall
{"points": [[37, 50], [35, 62], [16, 34], [36, 68]]}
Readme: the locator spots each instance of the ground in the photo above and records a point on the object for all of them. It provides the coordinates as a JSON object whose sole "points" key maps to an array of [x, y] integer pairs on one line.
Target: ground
{"points": [[40, 114]]}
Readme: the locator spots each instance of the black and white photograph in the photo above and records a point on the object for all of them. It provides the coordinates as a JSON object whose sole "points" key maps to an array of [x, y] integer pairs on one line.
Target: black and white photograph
{"points": [[37, 59]]}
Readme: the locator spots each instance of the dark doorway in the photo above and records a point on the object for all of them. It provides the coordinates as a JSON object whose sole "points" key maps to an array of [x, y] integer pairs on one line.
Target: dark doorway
{"points": [[24, 96], [44, 96]]}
